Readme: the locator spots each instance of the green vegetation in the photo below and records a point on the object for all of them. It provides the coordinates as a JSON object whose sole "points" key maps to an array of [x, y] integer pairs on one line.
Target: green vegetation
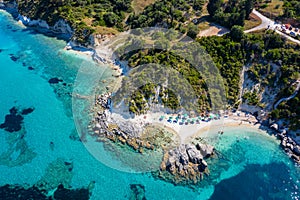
{"points": [[252, 22], [271, 9], [169, 14], [259, 50], [276, 50], [292, 9], [251, 98], [262, 52], [142, 98], [237, 33], [139, 5], [110, 13], [231, 13], [167, 96], [263, 74], [229, 57], [289, 110], [287, 11]]}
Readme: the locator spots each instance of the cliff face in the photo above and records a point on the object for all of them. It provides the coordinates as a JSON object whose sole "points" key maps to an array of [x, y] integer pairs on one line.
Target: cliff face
{"points": [[60, 27]]}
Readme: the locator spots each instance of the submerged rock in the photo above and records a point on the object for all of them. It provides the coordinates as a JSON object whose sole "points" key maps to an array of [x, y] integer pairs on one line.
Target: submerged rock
{"points": [[18, 192], [14, 58], [138, 192], [27, 111], [55, 80], [12, 121], [65, 194]]}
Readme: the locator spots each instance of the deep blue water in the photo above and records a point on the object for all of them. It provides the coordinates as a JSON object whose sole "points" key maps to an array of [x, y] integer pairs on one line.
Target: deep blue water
{"points": [[253, 166]]}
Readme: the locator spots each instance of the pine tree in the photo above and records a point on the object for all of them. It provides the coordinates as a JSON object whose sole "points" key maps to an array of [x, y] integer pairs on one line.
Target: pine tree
{"points": [[213, 6], [249, 5]]}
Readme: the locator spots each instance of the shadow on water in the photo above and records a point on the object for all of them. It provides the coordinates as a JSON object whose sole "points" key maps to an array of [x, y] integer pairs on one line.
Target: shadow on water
{"points": [[271, 181]]}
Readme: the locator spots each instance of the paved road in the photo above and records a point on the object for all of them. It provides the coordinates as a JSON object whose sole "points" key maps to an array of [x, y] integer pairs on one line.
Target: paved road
{"points": [[290, 97], [268, 23], [265, 22]]}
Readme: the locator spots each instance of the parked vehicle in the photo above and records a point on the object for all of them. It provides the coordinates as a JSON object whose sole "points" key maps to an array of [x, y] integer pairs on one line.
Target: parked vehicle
{"points": [[296, 29], [293, 34]]}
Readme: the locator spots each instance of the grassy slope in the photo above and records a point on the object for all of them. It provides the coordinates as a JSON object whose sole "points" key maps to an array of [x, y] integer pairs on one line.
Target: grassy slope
{"points": [[139, 5], [272, 9]]}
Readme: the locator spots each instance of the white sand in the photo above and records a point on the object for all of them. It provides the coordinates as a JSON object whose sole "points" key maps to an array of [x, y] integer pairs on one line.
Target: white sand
{"points": [[187, 132]]}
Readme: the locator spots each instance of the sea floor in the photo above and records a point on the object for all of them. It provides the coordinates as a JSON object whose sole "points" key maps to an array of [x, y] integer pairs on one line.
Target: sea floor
{"points": [[43, 147]]}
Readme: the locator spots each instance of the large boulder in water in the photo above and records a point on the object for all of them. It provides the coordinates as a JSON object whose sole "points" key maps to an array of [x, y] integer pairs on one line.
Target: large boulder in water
{"points": [[194, 154], [205, 150]]}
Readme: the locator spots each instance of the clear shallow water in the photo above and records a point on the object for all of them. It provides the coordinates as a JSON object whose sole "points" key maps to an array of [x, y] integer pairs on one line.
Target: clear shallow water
{"points": [[251, 168]]}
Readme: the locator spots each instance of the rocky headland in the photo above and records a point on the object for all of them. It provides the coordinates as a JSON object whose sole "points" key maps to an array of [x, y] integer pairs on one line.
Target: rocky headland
{"points": [[184, 162], [180, 163]]}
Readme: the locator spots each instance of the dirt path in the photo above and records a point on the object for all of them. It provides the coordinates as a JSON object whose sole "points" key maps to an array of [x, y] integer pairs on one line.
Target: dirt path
{"points": [[213, 30], [290, 97]]}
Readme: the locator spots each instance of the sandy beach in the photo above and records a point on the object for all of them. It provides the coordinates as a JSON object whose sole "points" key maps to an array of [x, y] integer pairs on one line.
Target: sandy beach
{"points": [[187, 131]]}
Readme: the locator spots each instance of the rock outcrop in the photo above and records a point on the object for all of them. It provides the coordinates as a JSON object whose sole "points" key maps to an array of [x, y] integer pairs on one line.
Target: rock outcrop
{"points": [[186, 162], [114, 130], [61, 26], [183, 163], [291, 148]]}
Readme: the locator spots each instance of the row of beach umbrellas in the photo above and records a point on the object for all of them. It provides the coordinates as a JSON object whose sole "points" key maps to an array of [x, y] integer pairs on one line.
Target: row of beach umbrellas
{"points": [[186, 119]]}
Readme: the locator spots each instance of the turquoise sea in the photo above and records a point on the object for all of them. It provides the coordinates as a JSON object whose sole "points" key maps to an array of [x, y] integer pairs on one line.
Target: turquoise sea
{"points": [[44, 149]]}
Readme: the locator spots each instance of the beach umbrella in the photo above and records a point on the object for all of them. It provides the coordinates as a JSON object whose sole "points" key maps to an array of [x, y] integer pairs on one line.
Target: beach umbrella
{"points": [[185, 115]]}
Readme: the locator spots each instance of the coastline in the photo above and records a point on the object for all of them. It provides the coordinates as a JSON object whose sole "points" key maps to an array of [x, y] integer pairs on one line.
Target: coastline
{"points": [[102, 56], [113, 182]]}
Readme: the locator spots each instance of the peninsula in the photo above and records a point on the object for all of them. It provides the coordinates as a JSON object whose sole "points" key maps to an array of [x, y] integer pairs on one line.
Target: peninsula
{"points": [[258, 70]]}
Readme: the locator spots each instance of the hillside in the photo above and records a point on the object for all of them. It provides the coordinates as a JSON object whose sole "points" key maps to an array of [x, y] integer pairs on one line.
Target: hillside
{"points": [[269, 61]]}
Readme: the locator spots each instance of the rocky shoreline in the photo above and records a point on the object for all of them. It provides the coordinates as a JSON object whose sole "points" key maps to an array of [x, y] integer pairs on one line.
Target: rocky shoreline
{"points": [[289, 145], [185, 162], [102, 127], [61, 27], [182, 164], [173, 161]]}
